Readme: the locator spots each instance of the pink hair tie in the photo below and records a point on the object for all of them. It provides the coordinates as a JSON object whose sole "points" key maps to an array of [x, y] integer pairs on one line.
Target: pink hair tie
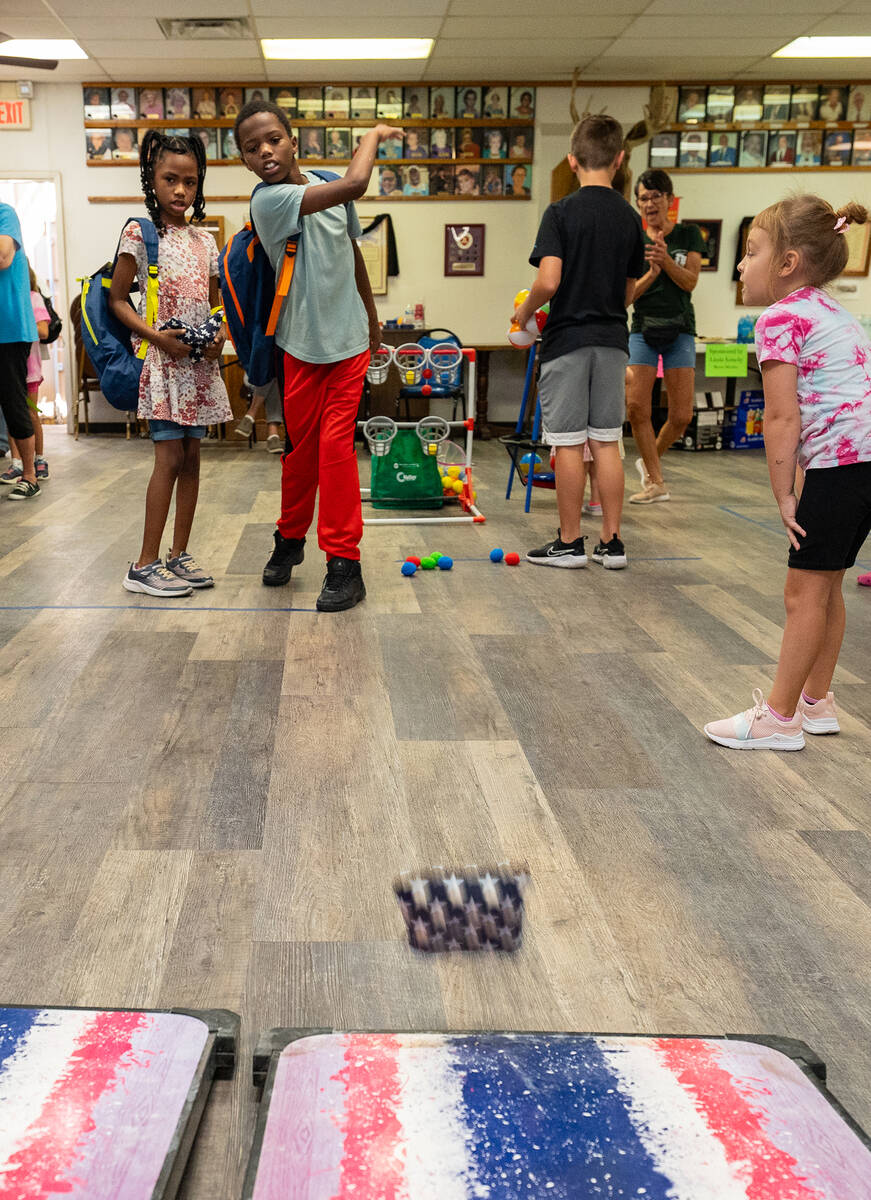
{"points": [[842, 225]]}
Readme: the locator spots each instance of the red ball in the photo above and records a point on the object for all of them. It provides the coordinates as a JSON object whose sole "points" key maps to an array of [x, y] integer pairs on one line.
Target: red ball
{"points": [[512, 559], [426, 390], [413, 559], [427, 373]]}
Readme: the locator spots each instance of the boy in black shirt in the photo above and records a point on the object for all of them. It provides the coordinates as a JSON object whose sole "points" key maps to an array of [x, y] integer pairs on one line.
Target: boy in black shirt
{"points": [[589, 251]]}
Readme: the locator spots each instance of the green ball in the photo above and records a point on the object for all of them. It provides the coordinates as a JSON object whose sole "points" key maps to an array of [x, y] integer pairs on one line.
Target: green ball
{"points": [[428, 564], [435, 557]]}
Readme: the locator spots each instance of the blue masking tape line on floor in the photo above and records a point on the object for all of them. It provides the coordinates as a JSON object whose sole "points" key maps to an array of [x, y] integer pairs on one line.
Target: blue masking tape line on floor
{"points": [[769, 527], [635, 558], [141, 607]]}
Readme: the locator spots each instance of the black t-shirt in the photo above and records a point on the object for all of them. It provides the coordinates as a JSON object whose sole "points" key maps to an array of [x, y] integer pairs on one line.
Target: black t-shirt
{"points": [[599, 239], [665, 298]]}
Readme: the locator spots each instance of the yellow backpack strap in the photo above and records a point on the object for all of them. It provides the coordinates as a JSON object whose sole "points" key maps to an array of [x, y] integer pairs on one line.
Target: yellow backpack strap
{"points": [[151, 289], [86, 287], [283, 286]]}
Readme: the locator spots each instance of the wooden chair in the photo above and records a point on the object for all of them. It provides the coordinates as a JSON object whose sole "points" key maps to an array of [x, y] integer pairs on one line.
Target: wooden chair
{"points": [[87, 380]]}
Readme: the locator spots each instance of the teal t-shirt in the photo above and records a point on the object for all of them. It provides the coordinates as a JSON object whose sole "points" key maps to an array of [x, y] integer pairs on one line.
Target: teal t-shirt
{"points": [[664, 299], [17, 323], [323, 319]]}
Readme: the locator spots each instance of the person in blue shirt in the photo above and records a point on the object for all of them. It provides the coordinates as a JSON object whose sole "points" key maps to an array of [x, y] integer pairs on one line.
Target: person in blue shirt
{"points": [[17, 333]]}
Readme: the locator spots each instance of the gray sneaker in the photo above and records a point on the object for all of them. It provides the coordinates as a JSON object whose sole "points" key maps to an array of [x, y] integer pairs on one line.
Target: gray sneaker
{"points": [[185, 566], [275, 444], [154, 580]]}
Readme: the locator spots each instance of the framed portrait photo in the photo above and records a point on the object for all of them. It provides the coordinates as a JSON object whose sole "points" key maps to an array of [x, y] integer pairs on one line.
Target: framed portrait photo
{"points": [[837, 148], [518, 181], [859, 242], [775, 102], [337, 103], [468, 141], [415, 180], [520, 143], [833, 102], [491, 181], [441, 103], [415, 102], [723, 151], [265, 93], [389, 181], [209, 138], [748, 103], [711, 232], [467, 181], [178, 102], [468, 102], [338, 143], [721, 102], [859, 104], [416, 142], [803, 102], [441, 181], [284, 97], [151, 103], [230, 101], [752, 149], [97, 103], [495, 143], [203, 103], [662, 150], [362, 103], [309, 103], [98, 145], [441, 143], [693, 149], [523, 102], [691, 106], [229, 149], [861, 146], [464, 249], [125, 145], [781, 148], [495, 102], [389, 107], [311, 142], [124, 104], [809, 148]]}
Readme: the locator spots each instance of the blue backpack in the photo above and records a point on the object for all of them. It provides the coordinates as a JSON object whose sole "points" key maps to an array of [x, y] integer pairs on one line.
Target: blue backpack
{"points": [[106, 340], [252, 298]]}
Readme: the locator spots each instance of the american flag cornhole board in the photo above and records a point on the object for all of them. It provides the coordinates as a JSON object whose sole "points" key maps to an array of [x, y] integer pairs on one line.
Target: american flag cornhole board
{"points": [[104, 1104], [446, 1116]]}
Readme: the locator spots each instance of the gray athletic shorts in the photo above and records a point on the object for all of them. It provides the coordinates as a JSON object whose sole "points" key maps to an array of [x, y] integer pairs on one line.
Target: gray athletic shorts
{"points": [[583, 394]]}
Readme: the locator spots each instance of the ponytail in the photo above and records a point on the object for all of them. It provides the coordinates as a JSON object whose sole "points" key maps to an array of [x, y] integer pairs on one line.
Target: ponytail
{"points": [[810, 225]]}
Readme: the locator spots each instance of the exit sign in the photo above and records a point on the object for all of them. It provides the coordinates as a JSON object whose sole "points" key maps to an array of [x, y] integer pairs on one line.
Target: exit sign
{"points": [[14, 114]]}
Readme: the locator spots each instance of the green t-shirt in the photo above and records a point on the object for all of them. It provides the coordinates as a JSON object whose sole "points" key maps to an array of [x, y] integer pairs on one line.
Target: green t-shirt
{"points": [[664, 299]]}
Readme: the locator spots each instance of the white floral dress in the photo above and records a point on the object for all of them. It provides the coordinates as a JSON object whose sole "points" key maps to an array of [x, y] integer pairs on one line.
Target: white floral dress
{"points": [[177, 389]]}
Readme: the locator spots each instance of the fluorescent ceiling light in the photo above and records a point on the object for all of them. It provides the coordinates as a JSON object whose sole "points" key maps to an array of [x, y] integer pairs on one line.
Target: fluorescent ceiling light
{"points": [[322, 48], [42, 48], [826, 47]]}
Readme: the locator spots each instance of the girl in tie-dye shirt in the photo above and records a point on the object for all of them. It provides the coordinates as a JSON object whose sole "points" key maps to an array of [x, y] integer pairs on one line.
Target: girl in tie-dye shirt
{"points": [[815, 360]]}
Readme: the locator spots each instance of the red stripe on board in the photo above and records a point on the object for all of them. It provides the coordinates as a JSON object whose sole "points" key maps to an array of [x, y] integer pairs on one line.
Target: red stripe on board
{"points": [[372, 1159], [55, 1140], [736, 1121]]}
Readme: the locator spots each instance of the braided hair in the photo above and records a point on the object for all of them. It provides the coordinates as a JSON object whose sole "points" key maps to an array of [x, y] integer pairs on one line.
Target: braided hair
{"points": [[155, 144]]}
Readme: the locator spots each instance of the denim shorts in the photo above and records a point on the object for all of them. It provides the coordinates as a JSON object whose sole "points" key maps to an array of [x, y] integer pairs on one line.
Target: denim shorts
{"points": [[681, 353], [169, 431]]}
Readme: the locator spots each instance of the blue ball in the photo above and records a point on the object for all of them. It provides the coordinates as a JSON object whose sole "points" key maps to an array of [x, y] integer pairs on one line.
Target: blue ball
{"points": [[408, 568], [497, 555], [445, 563]]}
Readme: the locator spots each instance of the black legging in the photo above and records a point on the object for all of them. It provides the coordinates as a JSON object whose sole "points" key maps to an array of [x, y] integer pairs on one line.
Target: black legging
{"points": [[13, 389]]}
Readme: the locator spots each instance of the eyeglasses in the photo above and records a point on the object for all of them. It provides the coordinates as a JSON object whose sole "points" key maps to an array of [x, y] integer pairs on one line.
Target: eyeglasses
{"points": [[650, 197]]}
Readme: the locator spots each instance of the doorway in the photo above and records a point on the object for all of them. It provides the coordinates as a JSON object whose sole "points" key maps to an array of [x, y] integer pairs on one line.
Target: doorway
{"points": [[36, 201]]}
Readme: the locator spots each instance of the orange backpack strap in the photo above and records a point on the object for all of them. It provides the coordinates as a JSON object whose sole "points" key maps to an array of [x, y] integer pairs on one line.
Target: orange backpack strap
{"points": [[283, 286], [229, 283]]}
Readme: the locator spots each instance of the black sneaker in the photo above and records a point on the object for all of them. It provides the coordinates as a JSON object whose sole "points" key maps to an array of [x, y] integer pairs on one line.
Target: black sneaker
{"points": [[343, 586], [288, 553], [560, 554], [611, 555]]}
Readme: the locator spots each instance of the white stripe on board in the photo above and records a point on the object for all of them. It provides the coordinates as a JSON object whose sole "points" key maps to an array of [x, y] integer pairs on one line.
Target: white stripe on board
{"points": [[670, 1125], [437, 1143], [29, 1076]]}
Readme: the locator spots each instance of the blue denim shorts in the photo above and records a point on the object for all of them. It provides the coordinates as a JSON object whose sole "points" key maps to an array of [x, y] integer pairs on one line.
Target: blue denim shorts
{"points": [[169, 431], [681, 353]]}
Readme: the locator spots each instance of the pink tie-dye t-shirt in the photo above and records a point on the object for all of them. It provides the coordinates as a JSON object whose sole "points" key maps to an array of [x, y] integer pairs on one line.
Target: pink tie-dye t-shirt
{"points": [[833, 355]]}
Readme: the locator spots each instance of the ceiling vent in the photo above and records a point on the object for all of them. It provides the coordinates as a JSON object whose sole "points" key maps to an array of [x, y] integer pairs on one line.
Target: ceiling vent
{"points": [[187, 29]]}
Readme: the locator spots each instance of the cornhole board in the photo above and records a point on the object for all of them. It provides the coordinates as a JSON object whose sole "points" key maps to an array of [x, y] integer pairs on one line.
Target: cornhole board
{"points": [[445, 1116], [104, 1104]]}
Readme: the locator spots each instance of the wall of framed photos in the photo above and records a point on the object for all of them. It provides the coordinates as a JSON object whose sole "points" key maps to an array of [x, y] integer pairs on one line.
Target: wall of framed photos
{"points": [[761, 126], [462, 140]]}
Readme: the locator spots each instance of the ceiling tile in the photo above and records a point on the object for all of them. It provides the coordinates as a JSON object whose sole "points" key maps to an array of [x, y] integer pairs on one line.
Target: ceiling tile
{"points": [[181, 70], [426, 9], [66, 71], [32, 27], [674, 67], [843, 25], [154, 51], [529, 25], [805, 68], [358, 26], [578, 48], [716, 25], [651, 50], [701, 7], [123, 8], [318, 72], [582, 9], [131, 28]]}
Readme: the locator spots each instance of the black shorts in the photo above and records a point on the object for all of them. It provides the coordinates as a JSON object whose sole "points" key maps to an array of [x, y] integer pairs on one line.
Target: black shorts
{"points": [[835, 512], [13, 388]]}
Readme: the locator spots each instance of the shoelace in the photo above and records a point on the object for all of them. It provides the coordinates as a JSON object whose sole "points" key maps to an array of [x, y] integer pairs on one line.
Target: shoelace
{"points": [[164, 573], [189, 562], [760, 708]]}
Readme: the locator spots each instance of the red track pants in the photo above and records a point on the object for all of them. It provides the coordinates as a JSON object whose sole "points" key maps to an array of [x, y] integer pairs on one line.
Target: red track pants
{"points": [[321, 401]]}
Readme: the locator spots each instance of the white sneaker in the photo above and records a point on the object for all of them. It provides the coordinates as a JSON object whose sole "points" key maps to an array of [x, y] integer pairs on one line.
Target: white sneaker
{"points": [[821, 717]]}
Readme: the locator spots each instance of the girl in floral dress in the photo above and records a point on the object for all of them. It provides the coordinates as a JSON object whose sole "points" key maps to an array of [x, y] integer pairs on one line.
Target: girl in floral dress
{"points": [[815, 360], [180, 392]]}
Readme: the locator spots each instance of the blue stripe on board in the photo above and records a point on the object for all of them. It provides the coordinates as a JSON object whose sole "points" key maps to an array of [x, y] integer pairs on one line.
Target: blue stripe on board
{"points": [[546, 1118], [15, 1023]]}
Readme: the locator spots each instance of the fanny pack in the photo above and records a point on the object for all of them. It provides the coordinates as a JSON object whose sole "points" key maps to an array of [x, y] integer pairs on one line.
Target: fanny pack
{"points": [[661, 332]]}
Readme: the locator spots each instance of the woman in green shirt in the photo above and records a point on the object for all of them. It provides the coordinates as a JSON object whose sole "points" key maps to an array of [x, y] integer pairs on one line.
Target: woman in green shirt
{"points": [[663, 323]]}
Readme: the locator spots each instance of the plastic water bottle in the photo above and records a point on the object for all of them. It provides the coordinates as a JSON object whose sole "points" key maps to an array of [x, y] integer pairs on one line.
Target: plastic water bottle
{"points": [[408, 318]]}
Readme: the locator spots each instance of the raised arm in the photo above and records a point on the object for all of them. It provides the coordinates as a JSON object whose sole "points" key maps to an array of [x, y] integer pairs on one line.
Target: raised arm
{"points": [[354, 182]]}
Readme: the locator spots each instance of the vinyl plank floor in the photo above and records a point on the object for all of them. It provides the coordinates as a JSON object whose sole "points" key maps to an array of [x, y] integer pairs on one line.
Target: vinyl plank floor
{"points": [[206, 803]]}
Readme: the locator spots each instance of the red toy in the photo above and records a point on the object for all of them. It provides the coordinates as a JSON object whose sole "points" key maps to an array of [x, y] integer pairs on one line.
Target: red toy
{"points": [[412, 559], [512, 559]]}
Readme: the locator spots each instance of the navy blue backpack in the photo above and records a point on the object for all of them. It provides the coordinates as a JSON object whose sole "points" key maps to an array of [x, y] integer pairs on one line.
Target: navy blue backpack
{"points": [[252, 298], [106, 340]]}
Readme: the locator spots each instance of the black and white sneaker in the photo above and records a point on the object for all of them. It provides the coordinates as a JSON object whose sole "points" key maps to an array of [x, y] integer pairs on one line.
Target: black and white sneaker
{"points": [[560, 554], [612, 555]]}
